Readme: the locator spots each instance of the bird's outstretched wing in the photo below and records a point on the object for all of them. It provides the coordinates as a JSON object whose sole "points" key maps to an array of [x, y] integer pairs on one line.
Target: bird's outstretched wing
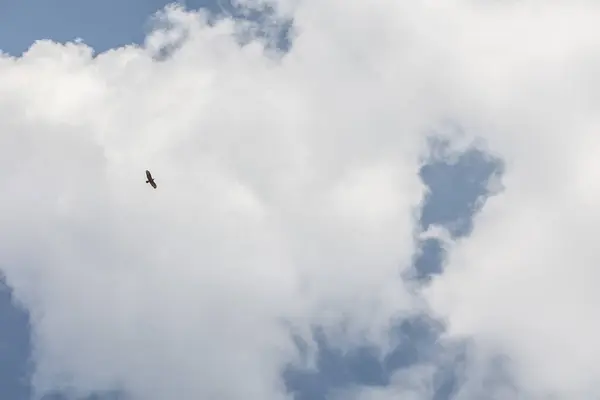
{"points": [[148, 175]]}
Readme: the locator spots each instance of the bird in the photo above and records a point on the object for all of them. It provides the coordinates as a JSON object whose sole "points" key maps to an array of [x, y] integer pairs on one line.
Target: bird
{"points": [[150, 179]]}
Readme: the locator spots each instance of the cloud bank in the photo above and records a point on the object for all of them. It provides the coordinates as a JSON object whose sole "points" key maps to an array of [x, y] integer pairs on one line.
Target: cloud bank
{"points": [[288, 190]]}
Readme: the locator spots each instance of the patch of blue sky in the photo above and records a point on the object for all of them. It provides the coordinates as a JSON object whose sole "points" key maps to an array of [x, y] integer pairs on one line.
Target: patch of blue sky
{"points": [[15, 347], [102, 25]]}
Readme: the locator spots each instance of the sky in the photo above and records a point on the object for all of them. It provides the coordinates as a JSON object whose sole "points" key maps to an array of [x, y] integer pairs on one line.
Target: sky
{"points": [[397, 203], [101, 24]]}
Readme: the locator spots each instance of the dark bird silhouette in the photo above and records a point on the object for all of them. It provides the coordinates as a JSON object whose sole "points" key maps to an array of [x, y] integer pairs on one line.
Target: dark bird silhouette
{"points": [[150, 179]]}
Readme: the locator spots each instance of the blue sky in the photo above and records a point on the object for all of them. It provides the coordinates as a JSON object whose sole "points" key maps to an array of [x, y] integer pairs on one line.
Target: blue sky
{"points": [[101, 24], [454, 193]]}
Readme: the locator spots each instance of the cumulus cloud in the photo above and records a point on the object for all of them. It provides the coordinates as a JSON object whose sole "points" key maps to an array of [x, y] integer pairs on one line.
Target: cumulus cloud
{"points": [[274, 208], [287, 190]]}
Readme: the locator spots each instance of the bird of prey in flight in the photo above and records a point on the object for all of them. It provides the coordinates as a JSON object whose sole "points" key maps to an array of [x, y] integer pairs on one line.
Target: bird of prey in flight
{"points": [[150, 179]]}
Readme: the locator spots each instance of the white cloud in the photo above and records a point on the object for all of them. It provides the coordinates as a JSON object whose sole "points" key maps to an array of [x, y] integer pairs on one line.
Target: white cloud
{"points": [[286, 191], [260, 215], [524, 284]]}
